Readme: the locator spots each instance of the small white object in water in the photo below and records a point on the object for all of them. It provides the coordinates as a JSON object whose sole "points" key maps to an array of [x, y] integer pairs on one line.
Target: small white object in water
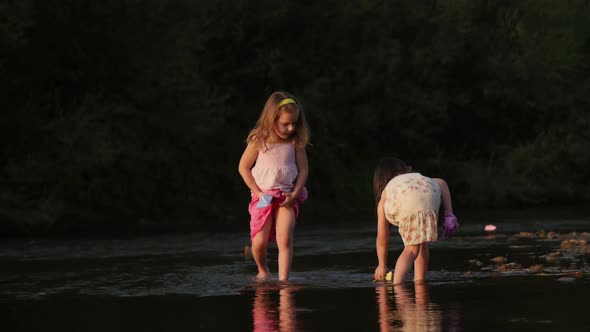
{"points": [[490, 228]]}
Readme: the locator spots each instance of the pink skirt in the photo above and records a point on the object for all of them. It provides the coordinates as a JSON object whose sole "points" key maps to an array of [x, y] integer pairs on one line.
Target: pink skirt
{"points": [[259, 216]]}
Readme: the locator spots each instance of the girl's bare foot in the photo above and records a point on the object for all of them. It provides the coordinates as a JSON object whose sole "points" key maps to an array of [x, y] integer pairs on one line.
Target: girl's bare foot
{"points": [[263, 274]]}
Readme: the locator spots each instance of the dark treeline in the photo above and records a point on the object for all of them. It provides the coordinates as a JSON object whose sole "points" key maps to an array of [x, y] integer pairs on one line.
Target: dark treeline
{"points": [[132, 114]]}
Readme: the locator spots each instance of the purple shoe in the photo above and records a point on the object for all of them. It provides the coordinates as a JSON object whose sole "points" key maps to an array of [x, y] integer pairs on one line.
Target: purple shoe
{"points": [[450, 226]]}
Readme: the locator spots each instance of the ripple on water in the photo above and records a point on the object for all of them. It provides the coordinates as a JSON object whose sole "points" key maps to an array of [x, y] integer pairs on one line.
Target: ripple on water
{"points": [[214, 265]]}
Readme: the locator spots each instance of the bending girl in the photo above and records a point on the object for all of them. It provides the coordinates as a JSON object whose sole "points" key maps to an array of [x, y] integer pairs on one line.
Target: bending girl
{"points": [[410, 201]]}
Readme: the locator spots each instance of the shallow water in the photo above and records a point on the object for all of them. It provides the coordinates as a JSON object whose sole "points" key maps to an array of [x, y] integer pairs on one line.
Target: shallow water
{"points": [[204, 282]]}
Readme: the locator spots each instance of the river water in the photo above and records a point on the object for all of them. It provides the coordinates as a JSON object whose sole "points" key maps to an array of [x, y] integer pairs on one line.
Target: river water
{"points": [[532, 273]]}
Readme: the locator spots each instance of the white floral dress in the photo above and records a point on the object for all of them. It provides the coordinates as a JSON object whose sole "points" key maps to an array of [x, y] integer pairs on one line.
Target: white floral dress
{"points": [[412, 202]]}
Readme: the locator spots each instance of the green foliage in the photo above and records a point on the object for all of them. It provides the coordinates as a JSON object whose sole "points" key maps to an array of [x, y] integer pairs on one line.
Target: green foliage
{"points": [[125, 114]]}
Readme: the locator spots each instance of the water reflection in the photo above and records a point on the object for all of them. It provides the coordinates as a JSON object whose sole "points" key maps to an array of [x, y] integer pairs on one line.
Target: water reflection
{"points": [[274, 308], [412, 311]]}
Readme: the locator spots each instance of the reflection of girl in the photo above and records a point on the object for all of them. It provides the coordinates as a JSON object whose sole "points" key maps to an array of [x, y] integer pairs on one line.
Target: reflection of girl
{"points": [[412, 313], [263, 312], [410, 201], [265, 315]]}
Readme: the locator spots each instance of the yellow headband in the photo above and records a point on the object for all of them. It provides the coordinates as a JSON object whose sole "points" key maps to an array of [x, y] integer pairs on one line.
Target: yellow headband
{"points": [[287, 101]]}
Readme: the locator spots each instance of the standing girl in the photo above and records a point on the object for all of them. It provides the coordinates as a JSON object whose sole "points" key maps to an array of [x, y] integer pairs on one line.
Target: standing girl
{"points": [[274, 167], [410, 201]]}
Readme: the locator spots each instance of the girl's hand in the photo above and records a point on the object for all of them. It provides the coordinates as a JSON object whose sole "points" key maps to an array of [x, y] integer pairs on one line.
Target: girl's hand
{"points": [[380, 272], [289, 198]]}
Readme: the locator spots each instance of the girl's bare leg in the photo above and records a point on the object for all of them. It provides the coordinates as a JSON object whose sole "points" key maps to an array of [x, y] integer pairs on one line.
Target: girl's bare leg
{"points": [[259, 250], [404, 263], [284, 228], [421, 262]]}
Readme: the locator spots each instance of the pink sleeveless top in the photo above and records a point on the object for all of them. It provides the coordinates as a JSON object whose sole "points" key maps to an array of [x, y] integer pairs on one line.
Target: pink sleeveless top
{"points": [[276, 167]]}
